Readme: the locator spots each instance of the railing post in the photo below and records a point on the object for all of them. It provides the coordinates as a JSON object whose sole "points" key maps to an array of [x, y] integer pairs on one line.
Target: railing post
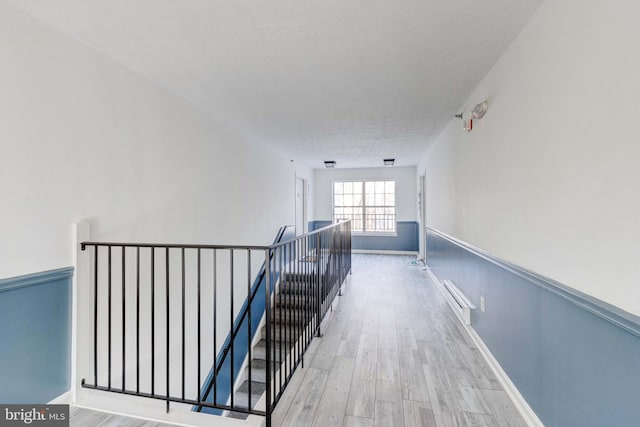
{"points": [[340, 254], [318, 284], [267, 263], [349, 248]]}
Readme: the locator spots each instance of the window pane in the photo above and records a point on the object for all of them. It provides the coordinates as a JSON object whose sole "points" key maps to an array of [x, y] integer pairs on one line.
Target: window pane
{"points": [[369, 187], [348, 187], [369, 199], [338, 188], [390, 187], [377, 198]]}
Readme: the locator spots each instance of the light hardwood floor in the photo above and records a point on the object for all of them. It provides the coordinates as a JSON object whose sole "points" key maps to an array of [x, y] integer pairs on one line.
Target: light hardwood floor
{"points": [[393, 354]]}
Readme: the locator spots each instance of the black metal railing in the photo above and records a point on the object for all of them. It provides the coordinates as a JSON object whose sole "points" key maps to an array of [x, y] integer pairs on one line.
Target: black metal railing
{"points": [[179, 323]]}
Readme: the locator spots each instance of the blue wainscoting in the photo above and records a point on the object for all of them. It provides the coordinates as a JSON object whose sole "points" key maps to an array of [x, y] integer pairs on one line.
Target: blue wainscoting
{"points": [[575, 359], [35, 336], [405, 240]]}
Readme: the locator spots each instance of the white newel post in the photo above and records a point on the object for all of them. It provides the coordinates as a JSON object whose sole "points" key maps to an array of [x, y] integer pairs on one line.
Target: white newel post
{"points": [[82, 321]]}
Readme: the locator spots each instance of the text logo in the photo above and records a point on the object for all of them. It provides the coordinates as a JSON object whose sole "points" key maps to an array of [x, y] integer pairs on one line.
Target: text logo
{"points": [[34, 415]]}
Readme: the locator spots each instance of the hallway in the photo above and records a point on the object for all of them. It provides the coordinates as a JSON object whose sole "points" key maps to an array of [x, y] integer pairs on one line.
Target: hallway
{"points": [[393, 353]]}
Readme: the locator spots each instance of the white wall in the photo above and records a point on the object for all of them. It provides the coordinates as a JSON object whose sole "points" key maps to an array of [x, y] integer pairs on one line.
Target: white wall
{"points": [[439, 167], [406, 196], [83, 137], [549, 178]]}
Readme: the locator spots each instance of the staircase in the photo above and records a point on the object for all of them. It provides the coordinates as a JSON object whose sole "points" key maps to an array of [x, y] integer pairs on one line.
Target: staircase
{"points": [[297, 277], [291, 307]]}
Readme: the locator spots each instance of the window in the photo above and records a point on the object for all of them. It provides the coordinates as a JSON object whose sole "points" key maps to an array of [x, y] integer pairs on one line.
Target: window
{"points": [[370, 205]]}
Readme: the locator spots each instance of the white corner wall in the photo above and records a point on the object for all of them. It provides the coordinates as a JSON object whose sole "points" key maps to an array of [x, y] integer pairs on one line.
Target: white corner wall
{"points": [[549, 178], [406, 193], [84, 137]]}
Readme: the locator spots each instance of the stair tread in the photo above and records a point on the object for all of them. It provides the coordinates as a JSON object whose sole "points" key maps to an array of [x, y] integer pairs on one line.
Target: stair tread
{"points": [[296, 300], [279, 331], [237, 415], [257, 388], [287, 313], [259, 351], [259, 369], [294, 287], [260, 363]]}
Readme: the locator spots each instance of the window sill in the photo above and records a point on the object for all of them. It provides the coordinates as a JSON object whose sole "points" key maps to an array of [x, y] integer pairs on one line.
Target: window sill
{"points": [[375, 234]]}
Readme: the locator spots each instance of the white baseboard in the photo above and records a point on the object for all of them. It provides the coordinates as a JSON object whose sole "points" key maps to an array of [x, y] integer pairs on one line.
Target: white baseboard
{"points": [[382, 252], [518, 400], [63, 399]]}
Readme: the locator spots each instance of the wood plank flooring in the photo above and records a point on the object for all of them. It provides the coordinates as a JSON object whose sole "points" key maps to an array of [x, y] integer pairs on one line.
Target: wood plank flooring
{"points": [[393, 354]]}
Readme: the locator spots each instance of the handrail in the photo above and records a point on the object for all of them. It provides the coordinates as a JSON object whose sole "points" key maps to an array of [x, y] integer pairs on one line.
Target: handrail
{"points": [[172, 245], [139, 284], [308, 234], [84, 244]]}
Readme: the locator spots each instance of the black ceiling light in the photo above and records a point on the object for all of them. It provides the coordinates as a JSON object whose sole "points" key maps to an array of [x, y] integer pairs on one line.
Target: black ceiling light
{"points": [[389, 162], [329, 164]]}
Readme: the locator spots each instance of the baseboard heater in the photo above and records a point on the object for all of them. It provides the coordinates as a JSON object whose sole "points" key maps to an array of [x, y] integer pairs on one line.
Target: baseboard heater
{"points": [[458, 301]]}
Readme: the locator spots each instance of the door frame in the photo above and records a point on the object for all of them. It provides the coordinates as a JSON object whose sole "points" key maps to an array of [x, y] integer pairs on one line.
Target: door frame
{"points": [[304, 196], [422, 217]]}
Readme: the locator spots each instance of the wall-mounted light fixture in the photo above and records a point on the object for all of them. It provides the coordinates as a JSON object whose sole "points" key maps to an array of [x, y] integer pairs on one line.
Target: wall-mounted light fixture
{"points": [[477, 113], [389, 162], [480, 110], [330, 164]]}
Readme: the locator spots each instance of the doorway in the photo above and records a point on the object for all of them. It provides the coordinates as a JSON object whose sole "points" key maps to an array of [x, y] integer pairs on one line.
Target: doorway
{"points": [[422, 218], [301, 205]]}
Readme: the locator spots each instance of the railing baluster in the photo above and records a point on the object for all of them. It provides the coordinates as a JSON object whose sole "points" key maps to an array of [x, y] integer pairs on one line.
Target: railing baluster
{"points": [[283, 287], [109, 320], [287, 312], [199, 329], [153, 321], [138, 320], [307, 303], [168, 335], [183, 322], [232, 383], [318, 284], [299, 298], [215, 327], [249, 331], [124, 329], [283, 316], [267, 263], [95, 315]]}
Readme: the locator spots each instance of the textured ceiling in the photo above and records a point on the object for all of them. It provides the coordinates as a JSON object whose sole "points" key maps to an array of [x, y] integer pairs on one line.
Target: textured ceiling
{"points": [[351, 81]]}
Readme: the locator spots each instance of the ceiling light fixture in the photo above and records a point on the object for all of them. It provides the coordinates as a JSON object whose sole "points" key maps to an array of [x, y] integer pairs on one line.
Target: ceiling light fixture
{"points": [[389, 162], [329, 164]]}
